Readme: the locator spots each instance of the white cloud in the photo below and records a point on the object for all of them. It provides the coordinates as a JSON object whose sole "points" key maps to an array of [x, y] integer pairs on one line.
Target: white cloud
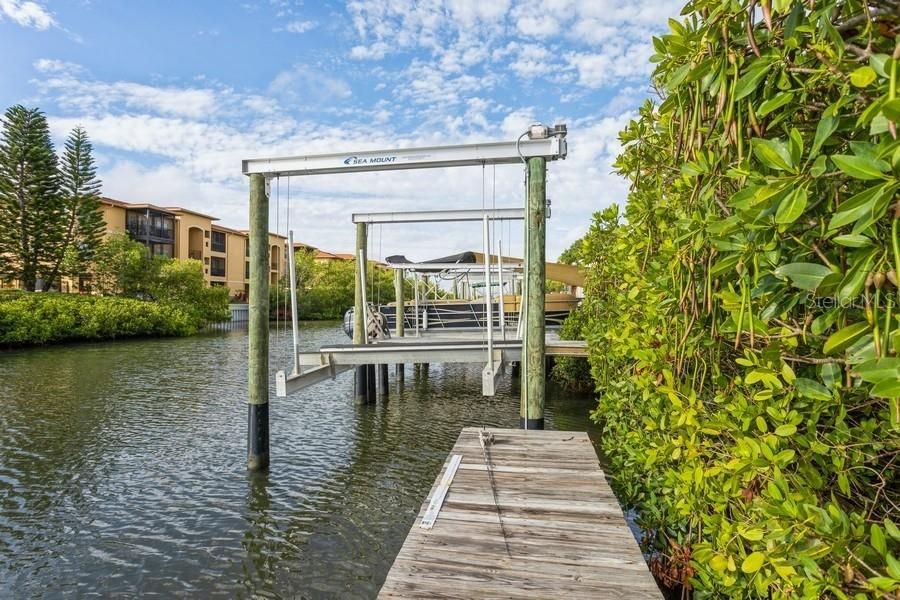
{"points": [[530, 60], [73, 89], [298, 26], [301, 85], [27, 14], [375, 51], [51, 65], [613, 65]]}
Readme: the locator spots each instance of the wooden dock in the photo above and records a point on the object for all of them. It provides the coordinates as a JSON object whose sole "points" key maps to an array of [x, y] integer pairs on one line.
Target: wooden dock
{"points": [[555, 531]]}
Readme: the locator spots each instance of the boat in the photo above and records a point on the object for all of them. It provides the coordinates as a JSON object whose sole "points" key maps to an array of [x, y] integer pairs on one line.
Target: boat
{"points": [[463, 308]]}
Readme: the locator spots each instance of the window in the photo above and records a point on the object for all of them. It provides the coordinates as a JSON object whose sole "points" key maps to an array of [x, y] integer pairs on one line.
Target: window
{"points": [[205, 233], [218, 241], [167, 250], [217, 283], [217, 266], [247, 247], [247, 269], [143, 224]]}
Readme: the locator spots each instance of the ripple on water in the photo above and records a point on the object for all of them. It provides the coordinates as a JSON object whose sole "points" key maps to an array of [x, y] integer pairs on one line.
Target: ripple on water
{"points": [[125, 474]]}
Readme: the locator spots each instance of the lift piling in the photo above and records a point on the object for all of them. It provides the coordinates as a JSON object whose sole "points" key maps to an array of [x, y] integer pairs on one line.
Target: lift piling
{"points": [[258, 365], [533, 366]]}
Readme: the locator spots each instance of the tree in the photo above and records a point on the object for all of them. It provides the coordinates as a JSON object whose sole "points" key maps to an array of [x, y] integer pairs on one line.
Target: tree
{"points": [[181, 282], [30, 205], [82, 216], [123, 266]]}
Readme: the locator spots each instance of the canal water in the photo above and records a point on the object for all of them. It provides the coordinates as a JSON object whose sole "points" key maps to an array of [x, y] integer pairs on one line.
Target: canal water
{"points": [[122, 469]]}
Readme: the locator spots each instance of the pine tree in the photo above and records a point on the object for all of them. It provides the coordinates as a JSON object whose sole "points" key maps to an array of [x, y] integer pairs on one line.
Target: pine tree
{"points": [[30, 207], [80, 194]]}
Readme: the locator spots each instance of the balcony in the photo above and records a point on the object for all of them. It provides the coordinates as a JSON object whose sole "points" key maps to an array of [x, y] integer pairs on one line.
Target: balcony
{"points": [[195, 254], [217, 267]]}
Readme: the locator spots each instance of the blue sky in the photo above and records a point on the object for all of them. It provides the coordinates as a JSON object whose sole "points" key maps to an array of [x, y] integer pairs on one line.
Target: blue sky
{"points": [[174, 94]]}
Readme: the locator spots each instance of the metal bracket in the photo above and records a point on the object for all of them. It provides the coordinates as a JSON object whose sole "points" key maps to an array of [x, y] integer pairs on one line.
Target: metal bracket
{"points": [[491, 373]]}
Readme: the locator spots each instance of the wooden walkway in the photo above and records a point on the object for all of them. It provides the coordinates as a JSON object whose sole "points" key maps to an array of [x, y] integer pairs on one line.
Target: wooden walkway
{"points": [[559, 531]]}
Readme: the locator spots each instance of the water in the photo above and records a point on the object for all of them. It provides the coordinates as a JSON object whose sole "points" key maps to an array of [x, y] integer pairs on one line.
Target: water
{"points": [[123, 470]]}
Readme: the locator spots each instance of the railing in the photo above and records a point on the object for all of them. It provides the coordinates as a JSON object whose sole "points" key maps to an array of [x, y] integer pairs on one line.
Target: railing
{"points": [[142, 231], [195, 254]]}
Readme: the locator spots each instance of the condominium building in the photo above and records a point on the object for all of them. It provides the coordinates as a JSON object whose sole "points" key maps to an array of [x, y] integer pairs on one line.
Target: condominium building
{"points": [[181, 233]]}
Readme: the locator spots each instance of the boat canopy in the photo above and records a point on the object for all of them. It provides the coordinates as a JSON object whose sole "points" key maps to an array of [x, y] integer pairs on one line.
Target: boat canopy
{"points": [[567, 274]]}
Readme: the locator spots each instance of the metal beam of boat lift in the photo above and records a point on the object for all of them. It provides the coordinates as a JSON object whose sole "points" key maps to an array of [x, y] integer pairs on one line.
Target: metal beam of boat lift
{"points": [[547, 143], [493, 153], [440, 216]]}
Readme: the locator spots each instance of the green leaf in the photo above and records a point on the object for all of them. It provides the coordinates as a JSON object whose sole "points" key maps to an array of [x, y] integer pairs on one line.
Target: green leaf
{"points": [[854, 281], [893, 566], [891, 110], [785, 430], [842, 339], [887, 388], [856, 207], [859, 167], [774, 103], [677, 77], [878, 541], [819, 166], [809, 388], [790, 209], [754, 535], [863, 76], [750, 80], [892, 529], [796, 141], [753, 562], [718, 563], [806, 276], [843, 483], [877, 62], [879, 369], [827, 126], [773, 153], [852, 241]]}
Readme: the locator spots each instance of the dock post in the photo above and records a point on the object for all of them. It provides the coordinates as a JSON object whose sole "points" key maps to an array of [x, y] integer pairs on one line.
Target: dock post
{"points": [[531, 411], [361, 394], [258, 363], [383, 380], [400, 312]]}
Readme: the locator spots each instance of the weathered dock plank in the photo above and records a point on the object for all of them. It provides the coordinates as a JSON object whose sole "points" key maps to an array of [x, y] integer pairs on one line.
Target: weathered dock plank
{"points": [[563, 533]]}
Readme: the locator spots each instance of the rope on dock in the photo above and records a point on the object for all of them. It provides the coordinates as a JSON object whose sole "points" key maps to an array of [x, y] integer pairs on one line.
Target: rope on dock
{"points": [[486, 438]]}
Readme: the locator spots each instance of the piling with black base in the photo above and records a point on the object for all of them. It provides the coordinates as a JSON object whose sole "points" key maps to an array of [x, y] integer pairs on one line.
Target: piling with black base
{"points": [[533, 365], [370, 380], [257, 436], [258, 329], [383, 380], [361, 386]]}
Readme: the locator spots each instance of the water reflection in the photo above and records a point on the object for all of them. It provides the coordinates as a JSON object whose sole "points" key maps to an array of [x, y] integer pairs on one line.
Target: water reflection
{"points": [[122, 469]]}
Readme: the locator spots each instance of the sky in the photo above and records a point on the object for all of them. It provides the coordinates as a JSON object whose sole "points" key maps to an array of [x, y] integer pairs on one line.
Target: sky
{"points": [[175, 94]]}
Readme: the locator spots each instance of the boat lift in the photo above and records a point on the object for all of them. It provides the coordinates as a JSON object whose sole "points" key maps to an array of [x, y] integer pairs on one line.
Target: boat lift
{"points": [[325, 364], [537, 145]]}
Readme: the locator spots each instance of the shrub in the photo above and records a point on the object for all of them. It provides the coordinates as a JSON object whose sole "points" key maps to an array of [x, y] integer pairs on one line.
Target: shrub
{"points": [[742, 319], [45, 318]]}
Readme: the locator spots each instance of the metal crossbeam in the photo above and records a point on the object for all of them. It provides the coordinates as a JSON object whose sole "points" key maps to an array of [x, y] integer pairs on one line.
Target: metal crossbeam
{"points": [[441, 216], [508, 266], [495, 153]]}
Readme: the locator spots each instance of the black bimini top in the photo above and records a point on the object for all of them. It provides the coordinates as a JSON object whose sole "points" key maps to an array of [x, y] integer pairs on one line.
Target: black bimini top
{"points": [[463, 258]]}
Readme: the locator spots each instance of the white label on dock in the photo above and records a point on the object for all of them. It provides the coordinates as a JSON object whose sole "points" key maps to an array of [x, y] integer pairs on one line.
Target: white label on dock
{"points": [[434, 507]]}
